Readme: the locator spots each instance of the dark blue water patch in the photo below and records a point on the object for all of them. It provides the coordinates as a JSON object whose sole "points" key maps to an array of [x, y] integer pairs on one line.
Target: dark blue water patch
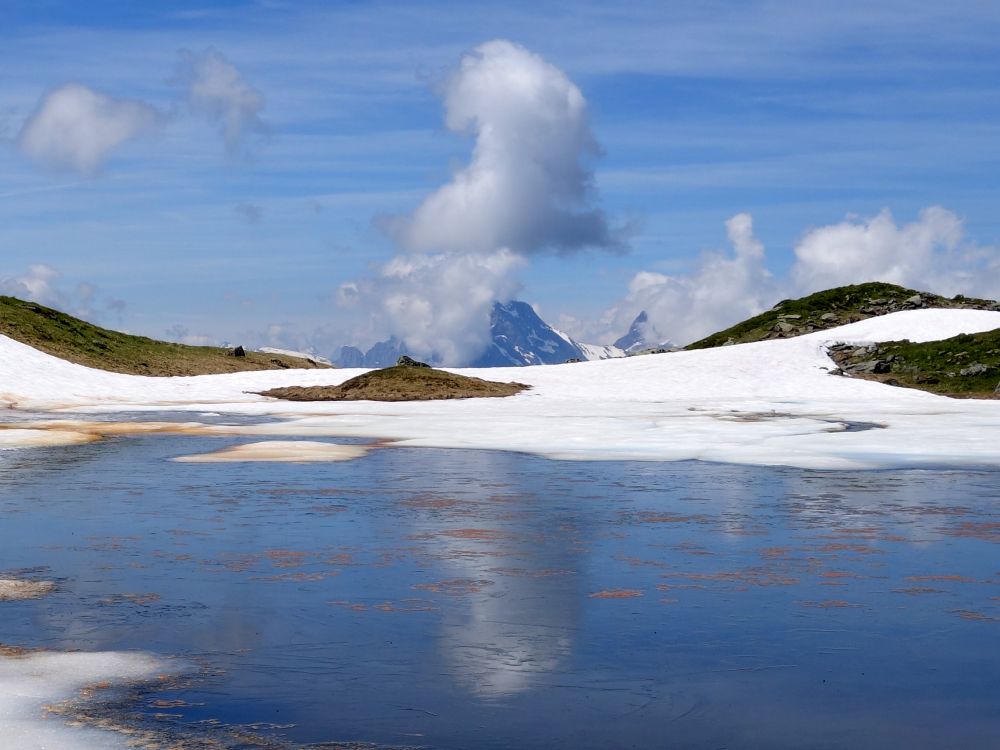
{"points": [[474, 599]]}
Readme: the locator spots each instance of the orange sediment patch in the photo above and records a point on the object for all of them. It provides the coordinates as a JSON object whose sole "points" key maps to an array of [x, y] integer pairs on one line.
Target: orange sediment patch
{"points": [[951, 578], [830, 604], [454, 586], [987, 531], [617, 594], [973, 616]]}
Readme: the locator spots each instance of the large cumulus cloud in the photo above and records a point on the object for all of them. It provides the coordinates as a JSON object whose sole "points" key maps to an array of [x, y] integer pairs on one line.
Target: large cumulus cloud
{"points": [[528, 186]]}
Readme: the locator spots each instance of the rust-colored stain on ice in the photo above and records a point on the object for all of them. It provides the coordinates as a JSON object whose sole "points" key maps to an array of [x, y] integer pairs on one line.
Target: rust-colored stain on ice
{"points": [[617, 594]]}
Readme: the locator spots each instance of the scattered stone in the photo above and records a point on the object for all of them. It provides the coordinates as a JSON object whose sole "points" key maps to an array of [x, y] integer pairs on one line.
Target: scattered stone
{"points": [[573, 360], [916, 300], [239, 351], [406, 361], [829, 317], [975, 369]]}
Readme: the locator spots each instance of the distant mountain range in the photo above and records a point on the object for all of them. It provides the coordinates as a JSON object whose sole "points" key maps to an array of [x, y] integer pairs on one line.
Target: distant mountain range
{"points": [[518, 337]]}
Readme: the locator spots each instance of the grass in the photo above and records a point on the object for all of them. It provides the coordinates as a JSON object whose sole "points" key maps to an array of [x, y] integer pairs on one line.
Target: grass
{"points": [[401, 384], [75, 340], [937, 366], [841, 305]]}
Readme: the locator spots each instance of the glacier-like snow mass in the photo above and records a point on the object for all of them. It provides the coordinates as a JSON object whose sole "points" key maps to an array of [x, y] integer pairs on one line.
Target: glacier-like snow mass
{"points": [[769, 403]]}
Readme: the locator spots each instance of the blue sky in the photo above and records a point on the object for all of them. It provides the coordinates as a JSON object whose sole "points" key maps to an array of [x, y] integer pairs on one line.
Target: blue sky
{"points": [[802, 115]]}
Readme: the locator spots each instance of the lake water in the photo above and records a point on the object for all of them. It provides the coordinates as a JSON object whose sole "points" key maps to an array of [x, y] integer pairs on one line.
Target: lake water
{"points": [[465, 599]]}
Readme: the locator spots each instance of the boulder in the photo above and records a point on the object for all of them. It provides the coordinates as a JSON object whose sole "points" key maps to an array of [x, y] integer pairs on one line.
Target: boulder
{"points": [[915, 301], [239, 351], [974, 369], [405, 361], [829, 317]]}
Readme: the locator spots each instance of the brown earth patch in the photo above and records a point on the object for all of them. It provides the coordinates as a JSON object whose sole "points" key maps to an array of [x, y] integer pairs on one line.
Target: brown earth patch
{"points": [[401, 384]]}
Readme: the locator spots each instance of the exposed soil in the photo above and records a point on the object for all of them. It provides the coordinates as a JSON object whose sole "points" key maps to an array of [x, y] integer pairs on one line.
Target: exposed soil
{"points": [[401, 383]]}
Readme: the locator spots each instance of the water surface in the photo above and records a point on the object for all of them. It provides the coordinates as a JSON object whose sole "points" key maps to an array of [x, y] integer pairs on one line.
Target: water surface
{"points": [[467, 599]]}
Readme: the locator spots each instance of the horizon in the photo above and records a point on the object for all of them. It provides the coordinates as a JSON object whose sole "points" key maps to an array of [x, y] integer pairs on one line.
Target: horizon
{"points": [[333, 176]]}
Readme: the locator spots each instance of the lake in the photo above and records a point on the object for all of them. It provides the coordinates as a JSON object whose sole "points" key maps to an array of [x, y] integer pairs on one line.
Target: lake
{"points": [[478, 599]]}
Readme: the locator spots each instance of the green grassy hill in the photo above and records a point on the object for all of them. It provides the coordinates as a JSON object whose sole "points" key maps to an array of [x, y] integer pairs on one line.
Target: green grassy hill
{"points": [[75, 340], [832, 308]]}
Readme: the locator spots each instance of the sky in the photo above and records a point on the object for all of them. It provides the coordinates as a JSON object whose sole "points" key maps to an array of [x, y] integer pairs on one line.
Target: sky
{"points": [[302, 174]]}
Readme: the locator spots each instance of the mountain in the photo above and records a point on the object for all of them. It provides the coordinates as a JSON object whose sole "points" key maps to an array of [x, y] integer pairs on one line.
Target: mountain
{"points": [[636, 341], [518, 337], [383, 354]]}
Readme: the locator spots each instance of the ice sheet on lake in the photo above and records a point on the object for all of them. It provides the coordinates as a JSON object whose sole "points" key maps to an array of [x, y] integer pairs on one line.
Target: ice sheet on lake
{"points": [[766, 403], [32, 681]]}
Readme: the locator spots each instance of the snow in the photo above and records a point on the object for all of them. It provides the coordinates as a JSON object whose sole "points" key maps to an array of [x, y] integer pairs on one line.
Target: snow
{"points": [[292, 353], [30, 682], [293, 451], [767, 403]]}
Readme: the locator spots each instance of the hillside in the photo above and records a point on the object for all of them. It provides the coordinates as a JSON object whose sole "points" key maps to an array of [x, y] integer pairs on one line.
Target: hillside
{"points": [[83, 343], [965, 366], [832, 308], [401, 383]]}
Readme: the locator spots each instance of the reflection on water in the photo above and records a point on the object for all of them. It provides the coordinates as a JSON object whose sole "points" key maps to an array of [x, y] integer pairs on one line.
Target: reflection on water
{"points": [[462, 599]]}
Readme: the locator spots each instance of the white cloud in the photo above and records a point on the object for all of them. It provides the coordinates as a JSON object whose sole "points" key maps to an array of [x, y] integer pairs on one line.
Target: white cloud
{"points": [[725, 288], [218, 90], [438, 304], [528, 187], [76, 128], [930, 254], [40, 283]]}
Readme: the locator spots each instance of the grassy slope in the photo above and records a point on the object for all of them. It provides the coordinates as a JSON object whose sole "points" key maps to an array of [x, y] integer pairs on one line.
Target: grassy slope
{"points": [[401, 384], [842, 305], [937, 366], [75, 340]]}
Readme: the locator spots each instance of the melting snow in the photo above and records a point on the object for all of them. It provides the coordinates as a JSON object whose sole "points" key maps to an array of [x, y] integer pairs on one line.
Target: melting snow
{"points": [[770, 402]]}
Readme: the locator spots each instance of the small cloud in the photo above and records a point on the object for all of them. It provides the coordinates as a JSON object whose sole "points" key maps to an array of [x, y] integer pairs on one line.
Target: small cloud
{"points": [[75, 128], [249, 212], [182, 335], [218, 91], [40, 283]]}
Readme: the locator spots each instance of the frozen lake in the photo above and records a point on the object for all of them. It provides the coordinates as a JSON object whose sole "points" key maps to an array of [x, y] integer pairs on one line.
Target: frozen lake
{"points": [[482, 599]]}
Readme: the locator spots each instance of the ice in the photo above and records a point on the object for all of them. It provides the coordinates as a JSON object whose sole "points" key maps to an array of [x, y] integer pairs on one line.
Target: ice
{"points": [[32, 681]]}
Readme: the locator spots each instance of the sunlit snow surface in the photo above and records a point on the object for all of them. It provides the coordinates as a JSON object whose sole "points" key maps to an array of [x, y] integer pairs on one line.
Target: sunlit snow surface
{"points": [[768, 403]]}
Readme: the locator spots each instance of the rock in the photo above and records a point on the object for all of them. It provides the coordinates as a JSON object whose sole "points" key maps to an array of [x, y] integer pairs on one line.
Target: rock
{"points": [[573, 360], [406, 361], [915, 300], [974, 369], [239, 351], [997, 389], [789, 317], [829, 317], [784, 327], [875, 366], [279, 363]]}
